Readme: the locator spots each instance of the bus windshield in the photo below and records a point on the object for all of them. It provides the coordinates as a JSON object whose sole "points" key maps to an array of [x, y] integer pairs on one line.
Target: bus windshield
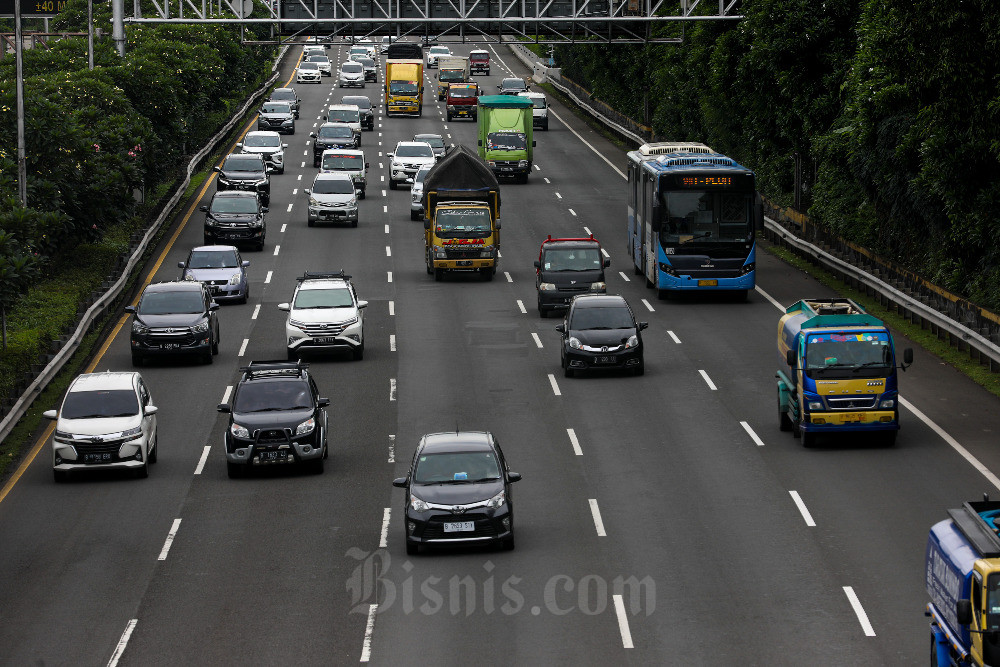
{"points": [[700, 217]]}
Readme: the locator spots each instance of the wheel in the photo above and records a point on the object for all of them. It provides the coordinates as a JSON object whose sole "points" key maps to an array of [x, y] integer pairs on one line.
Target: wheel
{"points": [[234, 470], [392, 184], [208, 358], [359, 352], [542, 312], [311, 223], [143, 472], [508, 543], [246, 295], [215, 344], [316, 466], [808, 439], [315, 164], [354, 223], [136, 359], [414, 215], [260, 247], [890, 438], [281, 171], [784, 421], [567, 371], [640, 369], [207, 240], [293, 130], [60, 476], [152, 452], [662, 294], [292, 355], [740, 295], [486, 273], [438, 275], [449, 118], [636, 269], [412, 548], [362, 195], [545, 127]]}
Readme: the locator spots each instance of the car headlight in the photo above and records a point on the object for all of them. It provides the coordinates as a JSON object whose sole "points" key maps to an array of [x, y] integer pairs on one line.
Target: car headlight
{"points": [[211, 222], [352, 204], [546, 287], [418, 505], [296, 324], [256, 223], [451, 107], [260, 181], [224, 181], [574, 343], [139, 328], [313, 201], [188, 276], [497, 501], [200, 328], [598, 287], [235, 279], [350, 323], [887, 404], [633, 341], [239, 431], [492, 163], [132, 432], [306, 427]]}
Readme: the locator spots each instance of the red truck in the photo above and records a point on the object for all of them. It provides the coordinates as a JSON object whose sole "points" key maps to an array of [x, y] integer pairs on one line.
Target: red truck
{"points": [[461, 100], [479, 62]]}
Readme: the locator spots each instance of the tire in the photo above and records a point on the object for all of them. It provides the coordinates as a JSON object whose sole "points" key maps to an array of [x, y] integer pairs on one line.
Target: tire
{"points": [[315, 164], [392, 184], [60, 476], [542, 313], [808, 440], [414, 215], [208, 358], [152, 455], [293, 130], [215, 345], [245, 297], [508, 543], [784, 421], [567, 371], [449, 118], [292, 354], [143, 472], [136, 360], [316, 466], [890, 438], [640, 369], [310, 222], [234, 470], [486, 273], [663, 295], [412, 549], [358, 353], [362, 193], [636, 269], [207, 240], [260, 247], [354, 223], [438, 275]]}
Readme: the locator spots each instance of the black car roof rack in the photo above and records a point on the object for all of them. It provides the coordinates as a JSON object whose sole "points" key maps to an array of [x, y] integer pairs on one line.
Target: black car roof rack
{"points": [[319, 275], [276, 367]]}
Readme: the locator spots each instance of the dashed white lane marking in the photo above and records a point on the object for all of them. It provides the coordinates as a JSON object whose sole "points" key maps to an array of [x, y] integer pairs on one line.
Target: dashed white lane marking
{"points": [[554, 384], [385, 209], [392, 342], [546, 180], [256, 312], [520, 305], [227, 393], [558, 196], [303, 164], [622, 621], [598, 522], [572, 212], [202, 460], [587, 230], [366, 648], [392, 449], [306, 152], [538, 341], [648, 306], [299, 178], [295, 191], [769, 298], [170, 539], [802, 508], [392, 389], [284, 227], [383, 540], [605, 252], [574, 441], [624, 277], [708, 380], [390, 276], [243, 347], [123, 642], [277, 249], [290, 205], [674, 336], [499, 254], [866, 625], [383, 193], [537, 168], [388, 251], [392, 308], [752, 434], [387, 229], [267, 279], [509, 279]]}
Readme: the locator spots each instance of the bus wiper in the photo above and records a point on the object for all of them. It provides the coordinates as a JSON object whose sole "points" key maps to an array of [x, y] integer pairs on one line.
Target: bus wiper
{"points": [[700, 236]]}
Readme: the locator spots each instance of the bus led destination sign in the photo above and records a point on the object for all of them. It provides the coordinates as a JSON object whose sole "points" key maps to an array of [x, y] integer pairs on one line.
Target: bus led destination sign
{"points": [[32, 8], [705, 181]]}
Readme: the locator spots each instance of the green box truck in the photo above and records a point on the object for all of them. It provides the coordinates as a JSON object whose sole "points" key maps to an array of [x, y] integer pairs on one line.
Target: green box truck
{"points": [[505, 135]]}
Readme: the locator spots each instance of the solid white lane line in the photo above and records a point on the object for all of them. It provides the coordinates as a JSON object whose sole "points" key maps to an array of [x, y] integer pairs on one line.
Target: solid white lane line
{"points": [[769, 298], [860, 611], [283, 228], [256, 312], [243, 347], [267, 278], [392, 308], [963, 452], [509, 279], [123, 642], [674, 336], [520, 305], [708, 380], [392, 389], [170, 539], [610, 163], [366, 648], [624, 277], [573, 441], [555, 385], [753, 436], [227, 393], [598, 522], [538, 341], [277, 249], [383, 539], [392, 342], [572, 212], [622, 621], [587, 230], [648, 307], [392, 449], [802, 508], [390, 275], [388, 251], [203, 459]]}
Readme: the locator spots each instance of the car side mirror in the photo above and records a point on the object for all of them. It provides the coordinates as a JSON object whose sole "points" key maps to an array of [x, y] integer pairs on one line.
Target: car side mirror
{"points": [[181, 265], [150, 410], [513, 477], [214, 307], [323, 402], [400, 482], [283, 306], [498, 87], [537, 264], [963, 612], [203, 209], [284, 145], [561, 328], [312, 134], [51, 414], [790, 358], [326, 118], [366, 165], [263, 209], [223, 407], [390, 155], [245, 263], [239, 147], [129, 309], [643, 325], [607, 262], [218, 169], [308, 191]]}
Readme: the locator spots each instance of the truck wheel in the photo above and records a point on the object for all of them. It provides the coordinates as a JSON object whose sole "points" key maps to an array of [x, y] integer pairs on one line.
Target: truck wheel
{"points": [[414, 215], [808, 439], [890, 438], [784, 423], [662, 294], [486, 273], [438, 275], [449, 117]]}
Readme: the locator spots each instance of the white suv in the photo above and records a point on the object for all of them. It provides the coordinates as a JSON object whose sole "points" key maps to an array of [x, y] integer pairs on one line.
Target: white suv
{"points": [[325, 313], [107, 420], [268, 145], [407, 159], [435, 53]]}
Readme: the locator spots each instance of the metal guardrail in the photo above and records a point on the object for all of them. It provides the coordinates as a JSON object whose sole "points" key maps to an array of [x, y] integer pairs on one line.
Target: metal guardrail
{"points": [[51, 369], [958, 332]]}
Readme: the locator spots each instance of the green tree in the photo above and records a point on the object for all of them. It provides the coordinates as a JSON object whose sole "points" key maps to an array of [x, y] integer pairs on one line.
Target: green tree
{"points": [[17, 269]]}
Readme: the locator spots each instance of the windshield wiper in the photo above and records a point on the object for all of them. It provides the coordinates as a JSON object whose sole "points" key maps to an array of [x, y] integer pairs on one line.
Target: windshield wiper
{"points": [[267, 410], [870, 363], [699, 236], [485, 479]]}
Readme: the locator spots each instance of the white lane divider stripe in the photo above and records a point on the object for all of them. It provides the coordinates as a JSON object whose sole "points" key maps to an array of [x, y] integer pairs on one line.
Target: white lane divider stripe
{"points": [[392, 448], [866, 625], [290, 205], [605, 253], [587, 230], [538, 341], [387, 229], [546, 180], [123, 642], [392, 389], [573, 441], [622, 621], [507, 275], [366, 648], [243, 347], [558, 196], [674, 336], [392, 342], [284, 227], [803, 510], [708, 380], [750, 432], [388, 251], [390, 276], [392, 308], [555, 385], [227, 393], [648, 307], [598, 522], [572, 212], [267, 279], [520, 305], [277, 249], [384, 537], [256, 312], [170, 539], [624, 277], [596, 152], [769, 298], [203, 459]]}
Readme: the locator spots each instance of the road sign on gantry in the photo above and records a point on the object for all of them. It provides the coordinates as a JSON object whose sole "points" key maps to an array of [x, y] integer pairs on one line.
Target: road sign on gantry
{"points": [[32, 8]]}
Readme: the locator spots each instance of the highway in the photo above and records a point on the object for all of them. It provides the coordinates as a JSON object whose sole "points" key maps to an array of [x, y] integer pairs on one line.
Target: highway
{"points": [[662, 519]]}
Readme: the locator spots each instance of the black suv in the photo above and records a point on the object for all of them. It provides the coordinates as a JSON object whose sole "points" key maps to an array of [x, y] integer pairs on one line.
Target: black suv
{"points": [[287, 95], [365, 106], [235, 217], [566, 268], [332, 136], [276, 417], [175, 318], [512, 86], [245, 171], [600, 333]]}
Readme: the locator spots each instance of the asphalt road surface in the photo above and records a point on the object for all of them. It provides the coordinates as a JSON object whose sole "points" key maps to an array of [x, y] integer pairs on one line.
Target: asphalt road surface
{"points": [[662, 519]]}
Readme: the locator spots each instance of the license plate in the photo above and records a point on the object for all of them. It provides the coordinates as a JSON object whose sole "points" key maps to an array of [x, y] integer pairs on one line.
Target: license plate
{"points": [[708, 283], [169, 346], [103, 457], [612, 359], [275, 456], [324, 340], [460, 527], [852, 417], [463, 263], [506, 169]]}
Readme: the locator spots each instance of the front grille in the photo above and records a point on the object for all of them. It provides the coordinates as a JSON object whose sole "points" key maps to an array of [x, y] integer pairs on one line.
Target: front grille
{"points": [[109, 447], [463, 254], [506, 163], [322, 330], [852, 403], [272, 436], [574, 289], [434, 529]]}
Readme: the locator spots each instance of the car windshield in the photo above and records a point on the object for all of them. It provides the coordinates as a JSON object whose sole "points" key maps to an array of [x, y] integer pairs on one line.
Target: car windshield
{"points": [[351, 68], [234, 205], [360, 102], [601, 318], [102, 403], [344, 162], [309, 65], [506, 141], [335, 132], [576, 259], [344, 116], [332, 186], [456, 468], [435, 142], [171, 303], [270, 107], [262, 140], [462, 223], [243, 164], [512, 83], [453, 75], [213, 259], [272, 396], [334, 297], [403, 87], [415, 150]]}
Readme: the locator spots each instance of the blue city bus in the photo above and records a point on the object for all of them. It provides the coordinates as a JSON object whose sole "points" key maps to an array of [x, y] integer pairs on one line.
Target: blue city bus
{"points": [[692, 219]]}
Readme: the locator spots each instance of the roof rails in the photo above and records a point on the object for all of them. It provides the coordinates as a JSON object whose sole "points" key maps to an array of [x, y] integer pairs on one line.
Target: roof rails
{"points": [[321, 275], [277, 367], [665, 147]]}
